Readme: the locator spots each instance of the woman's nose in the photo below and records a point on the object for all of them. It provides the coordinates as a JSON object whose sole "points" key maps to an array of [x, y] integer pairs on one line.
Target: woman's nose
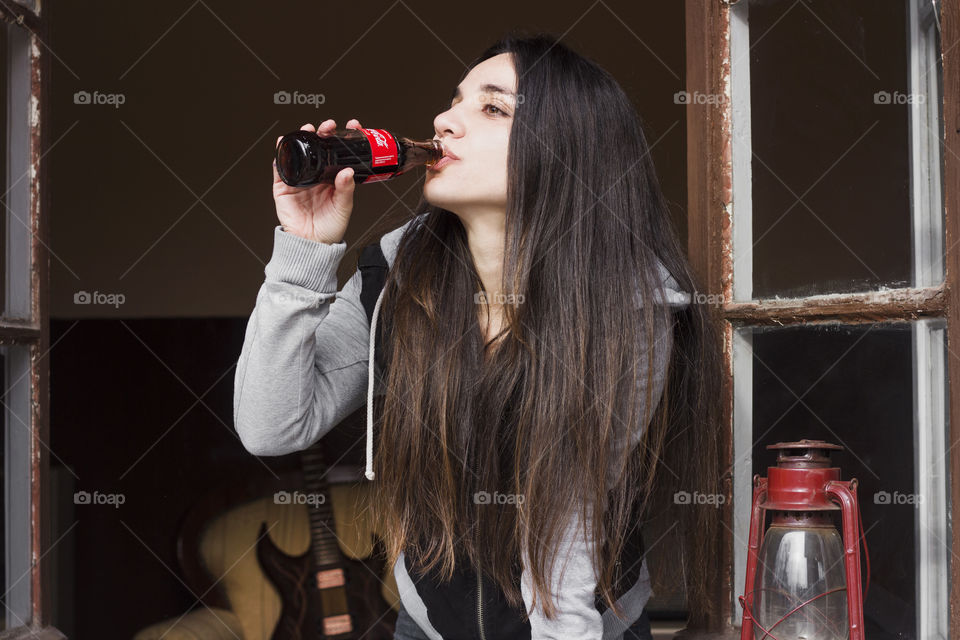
{"points": [[446, 123]]}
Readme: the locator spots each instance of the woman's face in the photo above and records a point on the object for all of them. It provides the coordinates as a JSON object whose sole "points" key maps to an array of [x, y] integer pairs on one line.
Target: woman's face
{"points": [[476, 129]]}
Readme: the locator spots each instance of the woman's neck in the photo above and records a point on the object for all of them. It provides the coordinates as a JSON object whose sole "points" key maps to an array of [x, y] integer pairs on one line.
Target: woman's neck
{"points": [[485, 234]]}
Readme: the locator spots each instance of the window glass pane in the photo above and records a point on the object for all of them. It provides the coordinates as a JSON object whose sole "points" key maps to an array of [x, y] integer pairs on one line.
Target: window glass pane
{"points": [[15, 233], [4, 198], [15, 404], [879, 391], [832, 151], [3, 504]]}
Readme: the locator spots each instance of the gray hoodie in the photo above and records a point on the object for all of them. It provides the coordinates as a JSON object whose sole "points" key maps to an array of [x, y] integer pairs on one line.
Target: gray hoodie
{"points": [[306, 364]]}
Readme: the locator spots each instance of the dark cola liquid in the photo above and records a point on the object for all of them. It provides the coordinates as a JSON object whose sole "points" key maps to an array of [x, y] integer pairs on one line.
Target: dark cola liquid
{"points": [[305, 158]]}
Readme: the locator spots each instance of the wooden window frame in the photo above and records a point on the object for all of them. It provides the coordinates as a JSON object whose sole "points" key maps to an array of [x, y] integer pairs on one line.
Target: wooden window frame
{"points": [[33, 332], [710, 242]]}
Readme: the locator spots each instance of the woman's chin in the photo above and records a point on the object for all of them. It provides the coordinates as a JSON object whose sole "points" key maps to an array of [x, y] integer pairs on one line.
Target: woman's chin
{"points": [[438, 196]]}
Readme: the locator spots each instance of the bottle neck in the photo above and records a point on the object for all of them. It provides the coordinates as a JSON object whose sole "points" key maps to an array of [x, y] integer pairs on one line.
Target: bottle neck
{"points": [[420, 152]]}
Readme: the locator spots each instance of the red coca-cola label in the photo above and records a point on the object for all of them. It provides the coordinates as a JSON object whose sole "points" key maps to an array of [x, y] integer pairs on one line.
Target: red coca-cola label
{"points": [[383, 147]]}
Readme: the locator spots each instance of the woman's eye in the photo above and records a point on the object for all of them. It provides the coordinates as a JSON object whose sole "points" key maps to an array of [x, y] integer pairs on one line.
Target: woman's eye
{"points": [[498, 109]]}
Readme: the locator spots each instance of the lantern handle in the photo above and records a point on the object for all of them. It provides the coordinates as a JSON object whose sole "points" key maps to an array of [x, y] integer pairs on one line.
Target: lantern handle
{"points": [[861, 536], [845, 493], [753, 546]]}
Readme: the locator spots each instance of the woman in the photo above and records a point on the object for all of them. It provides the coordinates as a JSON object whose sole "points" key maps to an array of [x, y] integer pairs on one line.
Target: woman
{"points": [[543, 380]]}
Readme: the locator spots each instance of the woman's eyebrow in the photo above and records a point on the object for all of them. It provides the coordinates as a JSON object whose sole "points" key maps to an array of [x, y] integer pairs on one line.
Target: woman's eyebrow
{"points": [[487, 88]]}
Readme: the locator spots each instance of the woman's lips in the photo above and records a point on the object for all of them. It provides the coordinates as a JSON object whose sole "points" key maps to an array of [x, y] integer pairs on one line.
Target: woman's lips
{"points": [[441, 163]]}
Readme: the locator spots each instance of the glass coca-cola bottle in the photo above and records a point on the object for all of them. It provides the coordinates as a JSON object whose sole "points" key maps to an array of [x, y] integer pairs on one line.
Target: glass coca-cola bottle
{"points": [[305, 158]]}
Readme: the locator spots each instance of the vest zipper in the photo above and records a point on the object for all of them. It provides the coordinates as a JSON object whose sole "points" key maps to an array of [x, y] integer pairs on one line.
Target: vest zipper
{"points": [[483, 636]]}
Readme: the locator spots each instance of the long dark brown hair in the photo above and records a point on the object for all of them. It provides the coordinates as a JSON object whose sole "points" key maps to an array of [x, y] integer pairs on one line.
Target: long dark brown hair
{"points": [[535, 424]]}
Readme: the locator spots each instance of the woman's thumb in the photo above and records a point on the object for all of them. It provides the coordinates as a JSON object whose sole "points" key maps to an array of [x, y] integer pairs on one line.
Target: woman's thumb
{"points": [[343, 189]]}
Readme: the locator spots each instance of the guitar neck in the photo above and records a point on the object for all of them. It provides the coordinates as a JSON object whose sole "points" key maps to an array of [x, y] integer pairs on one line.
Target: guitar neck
{"points": [[323, 539]]}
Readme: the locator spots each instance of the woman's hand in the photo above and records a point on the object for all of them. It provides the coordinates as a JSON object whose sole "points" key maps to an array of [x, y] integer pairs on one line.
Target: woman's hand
{"points": [[319, 212]]}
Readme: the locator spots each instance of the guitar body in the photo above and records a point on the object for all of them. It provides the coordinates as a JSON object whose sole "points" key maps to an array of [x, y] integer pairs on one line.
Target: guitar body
{"points": [[303, 612]]}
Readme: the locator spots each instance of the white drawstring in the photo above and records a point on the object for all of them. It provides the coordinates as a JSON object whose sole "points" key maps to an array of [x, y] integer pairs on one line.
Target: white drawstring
{"points": [[371, 364]]}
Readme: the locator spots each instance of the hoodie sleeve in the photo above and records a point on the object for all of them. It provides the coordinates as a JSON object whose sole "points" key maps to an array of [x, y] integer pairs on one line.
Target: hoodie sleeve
{"points": [[574, 579], [303, 365]]}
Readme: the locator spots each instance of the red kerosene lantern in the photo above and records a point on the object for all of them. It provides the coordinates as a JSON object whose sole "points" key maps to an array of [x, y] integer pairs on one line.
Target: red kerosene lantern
{"points": [[803, 580]]}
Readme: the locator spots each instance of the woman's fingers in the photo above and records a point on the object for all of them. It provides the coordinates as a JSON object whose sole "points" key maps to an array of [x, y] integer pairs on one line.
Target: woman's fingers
{"points": [[326, 127]]}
